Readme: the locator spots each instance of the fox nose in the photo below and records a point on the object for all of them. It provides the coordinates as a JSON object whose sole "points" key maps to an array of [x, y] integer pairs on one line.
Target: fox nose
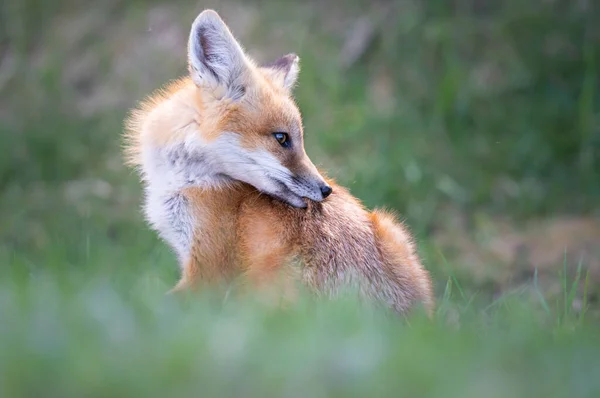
{"points": [[326, 191]]}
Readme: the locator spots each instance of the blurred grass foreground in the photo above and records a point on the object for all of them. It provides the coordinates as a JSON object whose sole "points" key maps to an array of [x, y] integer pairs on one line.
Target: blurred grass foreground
{"points": [[477, 121]]}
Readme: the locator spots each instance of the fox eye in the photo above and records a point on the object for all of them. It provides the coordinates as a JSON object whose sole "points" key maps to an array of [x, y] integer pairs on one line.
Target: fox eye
{"points": [[283, 139]]}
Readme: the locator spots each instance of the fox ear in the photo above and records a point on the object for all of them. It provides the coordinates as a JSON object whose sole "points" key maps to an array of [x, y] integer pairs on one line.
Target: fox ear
{"points": [[284, 71], [216, 60]]}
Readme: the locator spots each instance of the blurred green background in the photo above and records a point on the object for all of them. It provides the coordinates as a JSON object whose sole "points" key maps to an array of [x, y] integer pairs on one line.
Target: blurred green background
{"points": [[478, 121]]}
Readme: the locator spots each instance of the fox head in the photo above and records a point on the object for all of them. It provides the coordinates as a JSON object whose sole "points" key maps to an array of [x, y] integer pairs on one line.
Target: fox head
{"points": [[244, 121]]}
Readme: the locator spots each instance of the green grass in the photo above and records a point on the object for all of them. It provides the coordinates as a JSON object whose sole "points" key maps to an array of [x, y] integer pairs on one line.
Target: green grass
{"points": [[88, 336], [485, 111]]}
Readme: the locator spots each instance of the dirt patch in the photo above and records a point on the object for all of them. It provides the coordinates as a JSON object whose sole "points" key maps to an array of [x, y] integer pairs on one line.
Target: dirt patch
{"points": [[496, 251]]}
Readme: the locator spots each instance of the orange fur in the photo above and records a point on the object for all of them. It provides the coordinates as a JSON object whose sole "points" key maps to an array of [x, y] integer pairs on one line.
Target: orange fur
{"points": [[239, 230]]}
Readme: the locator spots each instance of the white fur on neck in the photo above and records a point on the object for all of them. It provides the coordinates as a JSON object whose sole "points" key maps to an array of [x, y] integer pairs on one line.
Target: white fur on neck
{"points": [[169, 170], [195, 163]]}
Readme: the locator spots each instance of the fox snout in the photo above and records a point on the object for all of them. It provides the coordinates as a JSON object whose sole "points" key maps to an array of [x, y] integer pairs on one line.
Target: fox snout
{"points": [[312, 187], [297, 185], [310, 184]]}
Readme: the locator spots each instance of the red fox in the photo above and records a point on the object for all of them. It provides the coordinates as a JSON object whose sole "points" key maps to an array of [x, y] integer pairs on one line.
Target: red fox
{"points": [[229, 186]]}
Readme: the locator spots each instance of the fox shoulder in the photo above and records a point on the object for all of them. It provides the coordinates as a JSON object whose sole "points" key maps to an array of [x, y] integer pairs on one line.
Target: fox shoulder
{"points": [[138, 123]]}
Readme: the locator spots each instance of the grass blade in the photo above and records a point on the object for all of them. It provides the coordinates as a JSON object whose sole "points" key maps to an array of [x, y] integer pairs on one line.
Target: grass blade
{"points": [[539, 292], [585, 296], [573, 291]]}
